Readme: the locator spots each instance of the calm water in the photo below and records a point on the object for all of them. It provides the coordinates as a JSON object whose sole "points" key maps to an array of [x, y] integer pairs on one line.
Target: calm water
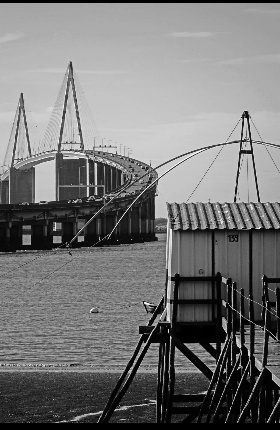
{"points": [[46, 299]]}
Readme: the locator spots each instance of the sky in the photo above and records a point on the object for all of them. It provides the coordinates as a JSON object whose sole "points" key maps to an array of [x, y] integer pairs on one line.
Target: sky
{"points": [[161, 79]]}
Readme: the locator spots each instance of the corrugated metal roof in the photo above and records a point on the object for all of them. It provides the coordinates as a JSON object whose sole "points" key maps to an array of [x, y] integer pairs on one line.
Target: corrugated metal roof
{"points": [[231, 216]]}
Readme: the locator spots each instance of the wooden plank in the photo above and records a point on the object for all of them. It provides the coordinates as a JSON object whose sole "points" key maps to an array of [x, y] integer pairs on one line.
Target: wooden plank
{"points": [[193, 301], [192, 278], [224, 324], [143, 329], [180, 398], [193, 358], [275, 373], [209, 348]]}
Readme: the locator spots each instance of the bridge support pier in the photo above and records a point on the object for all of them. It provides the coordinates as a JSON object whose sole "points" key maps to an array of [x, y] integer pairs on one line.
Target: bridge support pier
{"points": [[22, 185]]}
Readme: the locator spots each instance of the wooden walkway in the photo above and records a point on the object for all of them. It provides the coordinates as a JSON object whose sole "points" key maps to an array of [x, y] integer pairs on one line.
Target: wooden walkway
{"points": [[245, 384], [273, 352]]}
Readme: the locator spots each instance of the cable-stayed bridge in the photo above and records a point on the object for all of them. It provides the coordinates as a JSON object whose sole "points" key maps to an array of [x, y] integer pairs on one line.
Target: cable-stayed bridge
{"points": [[88, 175]]}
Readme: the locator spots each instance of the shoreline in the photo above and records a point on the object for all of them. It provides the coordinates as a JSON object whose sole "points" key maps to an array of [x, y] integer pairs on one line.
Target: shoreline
{"points": [[77, 367], [80, 396]]}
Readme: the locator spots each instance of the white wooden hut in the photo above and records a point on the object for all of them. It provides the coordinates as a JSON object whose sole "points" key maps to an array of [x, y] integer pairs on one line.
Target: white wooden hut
{"points": [[239, 240]]}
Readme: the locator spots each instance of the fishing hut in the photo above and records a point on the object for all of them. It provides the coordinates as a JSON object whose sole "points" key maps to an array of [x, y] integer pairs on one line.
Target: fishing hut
{"points": [[239, 240], [221, 292]]}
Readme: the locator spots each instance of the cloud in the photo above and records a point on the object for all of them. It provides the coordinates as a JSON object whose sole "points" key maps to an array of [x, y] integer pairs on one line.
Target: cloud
{"points": [[9, 37], [262, 10], [197, 60], [89, 72], [266, 58], [102, 72], [192, 34], [7, 117], [233, 61]]}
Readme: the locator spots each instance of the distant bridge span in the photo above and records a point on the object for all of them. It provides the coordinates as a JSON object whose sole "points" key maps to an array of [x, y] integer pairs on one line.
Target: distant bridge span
{"points": [[85, 178], [36, 159], [46, 225]]}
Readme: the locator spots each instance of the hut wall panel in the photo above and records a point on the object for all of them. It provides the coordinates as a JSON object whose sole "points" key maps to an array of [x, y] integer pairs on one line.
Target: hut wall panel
{"points": [[232, 257], [266, 261], [190, 255]]}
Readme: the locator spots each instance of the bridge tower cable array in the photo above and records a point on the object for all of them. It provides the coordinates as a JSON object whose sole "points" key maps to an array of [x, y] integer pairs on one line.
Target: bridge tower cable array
{"points": [[71, 82], [19, 143], [18, 185], [71, 125], [85, 178]]}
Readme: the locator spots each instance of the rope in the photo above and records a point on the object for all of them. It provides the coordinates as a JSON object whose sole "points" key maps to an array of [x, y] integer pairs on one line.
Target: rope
{"points": [[252, 322], [265, 146], [190, 153], [213, 162], [30, 261], [48, 275], [149, 186], [205, 173], [194, 152]]}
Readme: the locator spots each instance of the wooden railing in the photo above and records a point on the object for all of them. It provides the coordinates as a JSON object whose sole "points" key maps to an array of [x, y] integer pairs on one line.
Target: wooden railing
{"points": [[247, 376]]}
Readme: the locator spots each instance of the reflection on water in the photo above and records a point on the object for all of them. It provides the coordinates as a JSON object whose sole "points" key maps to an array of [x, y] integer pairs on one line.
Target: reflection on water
{"points": [[46, 299]]}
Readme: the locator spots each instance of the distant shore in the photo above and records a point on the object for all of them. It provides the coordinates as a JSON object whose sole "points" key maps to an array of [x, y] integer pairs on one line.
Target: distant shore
{"points": [[36, 396]]}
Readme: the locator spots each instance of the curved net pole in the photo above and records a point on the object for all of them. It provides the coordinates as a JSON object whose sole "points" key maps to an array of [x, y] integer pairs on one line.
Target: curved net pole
{"points": [[189, 155]]}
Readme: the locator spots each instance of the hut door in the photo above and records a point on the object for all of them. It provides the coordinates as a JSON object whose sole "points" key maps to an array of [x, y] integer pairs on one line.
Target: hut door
{"points": [[232, 250]]}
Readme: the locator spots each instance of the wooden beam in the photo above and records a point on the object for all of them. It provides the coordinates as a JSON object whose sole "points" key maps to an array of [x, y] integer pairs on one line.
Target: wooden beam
{"points": [[193, 358], [256, 389]]}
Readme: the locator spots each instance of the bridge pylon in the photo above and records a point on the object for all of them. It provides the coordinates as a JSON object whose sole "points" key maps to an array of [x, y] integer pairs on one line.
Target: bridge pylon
{"points": [[70, 173], [67, 106], [19, 143], [20, 184]]}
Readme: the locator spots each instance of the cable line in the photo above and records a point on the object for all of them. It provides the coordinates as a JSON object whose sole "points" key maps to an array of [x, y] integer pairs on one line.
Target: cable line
{"points": [[265, 147], [213, 161], [194, 152], [190, 154]]}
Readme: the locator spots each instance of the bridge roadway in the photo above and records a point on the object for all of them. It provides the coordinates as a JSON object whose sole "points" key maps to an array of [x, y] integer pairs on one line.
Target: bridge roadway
{"points": [[46, 225]]}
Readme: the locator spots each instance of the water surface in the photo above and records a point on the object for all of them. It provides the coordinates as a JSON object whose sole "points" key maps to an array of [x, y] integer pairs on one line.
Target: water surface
{"points": [[46, 299]]}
